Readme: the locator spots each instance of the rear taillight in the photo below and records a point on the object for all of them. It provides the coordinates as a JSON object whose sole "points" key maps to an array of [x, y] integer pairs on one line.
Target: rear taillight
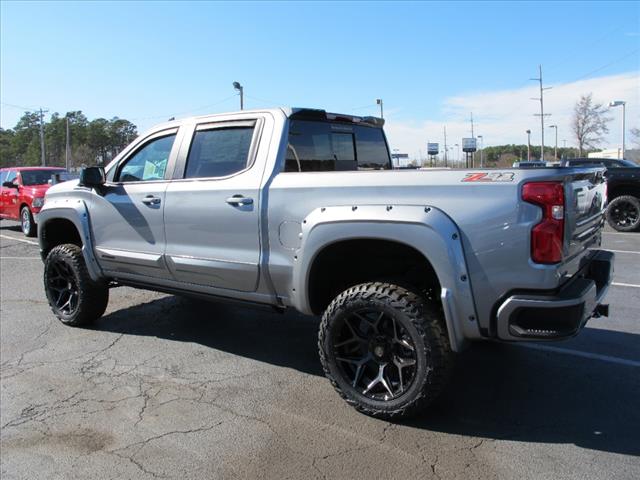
{"points": [[547, 237]]}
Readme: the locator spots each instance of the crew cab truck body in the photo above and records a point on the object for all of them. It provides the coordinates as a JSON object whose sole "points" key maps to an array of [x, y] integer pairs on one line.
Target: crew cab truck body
{"points": [[22, 191], [299, 208]]}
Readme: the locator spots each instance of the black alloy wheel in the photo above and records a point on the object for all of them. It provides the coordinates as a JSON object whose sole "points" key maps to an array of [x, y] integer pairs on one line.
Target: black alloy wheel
{"points": [[623, 213], [385, 349], [375, 354], [73, 296], [62, 287]]}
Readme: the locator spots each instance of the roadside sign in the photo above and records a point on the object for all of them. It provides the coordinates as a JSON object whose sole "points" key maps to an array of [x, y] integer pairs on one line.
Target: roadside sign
{"points": [[469, 145]]}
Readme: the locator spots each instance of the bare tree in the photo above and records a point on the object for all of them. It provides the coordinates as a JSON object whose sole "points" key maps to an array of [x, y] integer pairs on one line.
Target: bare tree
{"points": [[635, 136], [589, 122]]}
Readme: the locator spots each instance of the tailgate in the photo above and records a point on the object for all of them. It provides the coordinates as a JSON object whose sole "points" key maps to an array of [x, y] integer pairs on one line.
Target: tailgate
{"points": [[585, 202]]}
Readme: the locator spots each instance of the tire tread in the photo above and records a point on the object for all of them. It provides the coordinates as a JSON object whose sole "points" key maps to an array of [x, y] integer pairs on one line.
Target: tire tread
{"points": [[429, 323]]}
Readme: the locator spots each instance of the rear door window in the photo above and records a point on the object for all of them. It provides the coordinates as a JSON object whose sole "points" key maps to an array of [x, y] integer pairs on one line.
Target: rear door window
{"points": [[219, 152]]}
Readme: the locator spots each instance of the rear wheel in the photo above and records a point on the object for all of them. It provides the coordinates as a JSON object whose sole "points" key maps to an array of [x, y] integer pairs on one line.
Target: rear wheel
{"points": [[73, 296], [385, 349], [27, 223], [623, 213]]}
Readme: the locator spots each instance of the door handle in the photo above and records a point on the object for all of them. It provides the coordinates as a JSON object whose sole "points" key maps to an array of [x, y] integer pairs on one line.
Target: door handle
{"points": [[151, 200], [239, 200]]}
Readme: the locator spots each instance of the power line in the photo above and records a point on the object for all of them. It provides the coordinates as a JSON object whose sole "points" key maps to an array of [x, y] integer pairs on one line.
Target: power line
{"points": [[584, 48], [173, 114], [603, 67], [268, 102], [19, 107]]}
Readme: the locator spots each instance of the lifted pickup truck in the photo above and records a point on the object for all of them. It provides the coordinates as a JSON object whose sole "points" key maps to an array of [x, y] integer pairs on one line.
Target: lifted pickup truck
{"points": [[623, 190], [299, 208]]}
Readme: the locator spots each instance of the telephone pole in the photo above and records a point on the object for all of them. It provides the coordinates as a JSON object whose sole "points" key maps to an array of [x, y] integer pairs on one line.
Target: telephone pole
{"points": [[42, 157], [541, 114], [66, 151]]}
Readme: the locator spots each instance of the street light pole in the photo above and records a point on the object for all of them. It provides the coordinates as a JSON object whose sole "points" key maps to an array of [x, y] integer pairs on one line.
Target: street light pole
{"points": [[379, 102], [445, 145], [528, 145], [481, 150], [458, 154], [617, 103], [555, 151], [240, 89]]}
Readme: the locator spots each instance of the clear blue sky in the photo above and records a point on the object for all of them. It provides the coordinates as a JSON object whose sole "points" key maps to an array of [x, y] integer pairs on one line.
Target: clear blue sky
{"points": [[146, 61]]}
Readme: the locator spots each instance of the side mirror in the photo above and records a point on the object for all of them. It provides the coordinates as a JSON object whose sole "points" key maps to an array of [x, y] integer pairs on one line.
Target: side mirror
{"points": [[9, 185], [92, 177]]}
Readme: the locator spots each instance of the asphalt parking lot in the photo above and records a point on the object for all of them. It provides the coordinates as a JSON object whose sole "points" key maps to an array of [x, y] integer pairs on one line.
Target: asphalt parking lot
{"points": [[169, 387]]}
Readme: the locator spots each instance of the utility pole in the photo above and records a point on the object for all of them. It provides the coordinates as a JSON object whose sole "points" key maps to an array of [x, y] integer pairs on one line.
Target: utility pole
{"points": [[66, 151], [42, 157], [541, 114], [528, 145], [379, 102]]}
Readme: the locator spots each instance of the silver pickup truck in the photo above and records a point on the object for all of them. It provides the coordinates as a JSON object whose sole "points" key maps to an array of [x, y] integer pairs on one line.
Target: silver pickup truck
{"points": [[300, 208]]}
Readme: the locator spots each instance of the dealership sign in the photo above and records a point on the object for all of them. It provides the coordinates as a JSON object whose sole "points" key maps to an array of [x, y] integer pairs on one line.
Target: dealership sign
{"points": [[432, 148], [469, 145]]}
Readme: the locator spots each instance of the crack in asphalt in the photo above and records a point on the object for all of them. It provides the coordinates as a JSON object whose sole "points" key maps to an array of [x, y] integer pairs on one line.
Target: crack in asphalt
{"points": [[141, 444]]}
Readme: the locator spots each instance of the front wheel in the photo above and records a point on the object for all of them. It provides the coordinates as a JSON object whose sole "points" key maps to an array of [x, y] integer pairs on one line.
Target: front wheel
{"points": [[73, 296], [623, 213], [385, 349], [27, 223]]}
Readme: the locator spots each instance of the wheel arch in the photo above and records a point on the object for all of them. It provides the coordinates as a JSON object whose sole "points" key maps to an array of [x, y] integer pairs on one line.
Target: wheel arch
{"points": [[424, 231], [67, 223], [620, 190]]}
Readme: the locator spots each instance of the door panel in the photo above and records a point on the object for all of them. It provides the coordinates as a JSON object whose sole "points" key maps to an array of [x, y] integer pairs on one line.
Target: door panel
{"points": [[127, 215], [129, 234], [212, 224], [10, 196]]}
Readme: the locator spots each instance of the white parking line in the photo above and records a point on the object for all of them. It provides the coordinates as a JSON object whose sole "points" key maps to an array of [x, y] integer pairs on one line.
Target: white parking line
{"points": [[620, 233], [19, 258], [621, 251], [578, 353], [19, 239], [617, 284]]}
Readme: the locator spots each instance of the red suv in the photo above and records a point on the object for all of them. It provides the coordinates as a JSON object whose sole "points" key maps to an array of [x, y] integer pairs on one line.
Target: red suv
{"points": [[22, 192]]}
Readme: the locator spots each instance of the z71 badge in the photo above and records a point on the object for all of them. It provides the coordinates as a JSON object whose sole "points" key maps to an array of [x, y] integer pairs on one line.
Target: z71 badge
{"points": [[489, 177]]}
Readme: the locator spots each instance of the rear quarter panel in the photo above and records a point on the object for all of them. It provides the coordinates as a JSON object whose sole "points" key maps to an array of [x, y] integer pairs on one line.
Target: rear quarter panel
{"points": [[494, 223]]}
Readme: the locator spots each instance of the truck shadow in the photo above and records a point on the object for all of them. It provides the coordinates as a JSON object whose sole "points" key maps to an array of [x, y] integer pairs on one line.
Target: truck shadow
{"points": [[498, 391]]}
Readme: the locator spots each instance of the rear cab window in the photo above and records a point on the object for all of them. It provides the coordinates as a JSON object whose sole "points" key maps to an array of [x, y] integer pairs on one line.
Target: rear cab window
{"points": [[327, 146]]}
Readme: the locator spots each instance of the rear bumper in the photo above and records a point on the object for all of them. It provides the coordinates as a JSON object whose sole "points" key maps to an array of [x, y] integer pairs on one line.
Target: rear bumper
{"points": [[561, 314]]}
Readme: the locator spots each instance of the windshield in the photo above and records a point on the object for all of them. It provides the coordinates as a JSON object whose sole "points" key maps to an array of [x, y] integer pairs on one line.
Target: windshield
{"points": [[37, 177]]}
